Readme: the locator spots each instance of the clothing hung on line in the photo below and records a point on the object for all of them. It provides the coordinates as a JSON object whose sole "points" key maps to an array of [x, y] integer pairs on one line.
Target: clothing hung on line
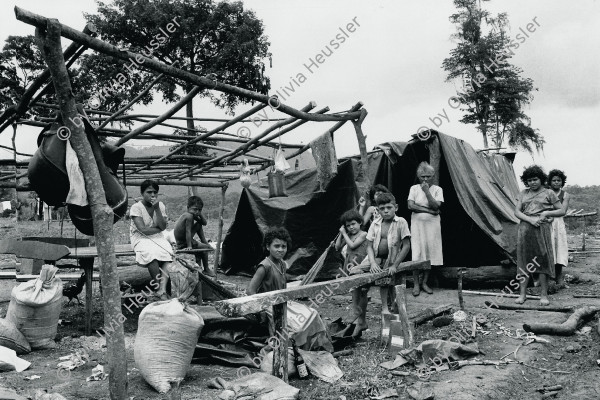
{"points": [[426, 239], [559, 237], [148, 247], [534, 244], [323, 151]]}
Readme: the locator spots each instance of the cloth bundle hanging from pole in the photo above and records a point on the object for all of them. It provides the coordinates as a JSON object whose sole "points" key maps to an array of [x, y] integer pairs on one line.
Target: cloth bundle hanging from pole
{"points": [[316, 268], [323, 151]]}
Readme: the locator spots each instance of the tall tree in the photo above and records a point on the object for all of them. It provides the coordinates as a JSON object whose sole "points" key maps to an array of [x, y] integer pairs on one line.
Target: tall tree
{"points": [[496, 92]]}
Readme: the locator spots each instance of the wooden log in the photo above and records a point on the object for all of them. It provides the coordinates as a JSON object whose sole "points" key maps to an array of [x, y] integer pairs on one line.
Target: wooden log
{"points": [[208, 134], [49, 41], [240, 150], [157, 66], [319, 291], [513, 296], [567, 328], [280, 353], [187, 98], [138, 182], [487, 276], [407, 329], [514, 306], [429, 313], [362, 147]]}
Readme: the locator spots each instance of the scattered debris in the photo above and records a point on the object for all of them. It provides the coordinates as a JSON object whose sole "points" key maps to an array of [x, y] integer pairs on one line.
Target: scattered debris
{"points": [[322, 365], [97, 374], [385, 394], [391, 365], [31, 378], [459, 316], [420, 391], [73, 360]]}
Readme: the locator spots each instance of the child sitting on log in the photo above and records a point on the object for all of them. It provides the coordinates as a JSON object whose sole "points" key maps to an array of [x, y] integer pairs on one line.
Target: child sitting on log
{"points": [[388, 244], [187, 226]]}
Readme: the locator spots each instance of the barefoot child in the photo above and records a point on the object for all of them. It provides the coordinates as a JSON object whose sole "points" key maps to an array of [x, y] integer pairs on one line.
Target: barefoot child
{"points": [[536, 207], [187, 226], [388, 243]]}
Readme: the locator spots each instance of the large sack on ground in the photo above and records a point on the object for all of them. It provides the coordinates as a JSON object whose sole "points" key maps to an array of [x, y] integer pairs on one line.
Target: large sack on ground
{"points": [[35, 308], [12, 338], [164, 344]]}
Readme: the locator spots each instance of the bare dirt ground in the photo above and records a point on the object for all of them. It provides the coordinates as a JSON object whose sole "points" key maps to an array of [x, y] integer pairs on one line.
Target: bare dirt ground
{"points": [[579, 370]]}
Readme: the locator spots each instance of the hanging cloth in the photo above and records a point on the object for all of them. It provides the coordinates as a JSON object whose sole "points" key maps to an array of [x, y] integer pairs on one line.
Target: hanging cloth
{"points": [[323, 151], [280, 162], [77, 194]]}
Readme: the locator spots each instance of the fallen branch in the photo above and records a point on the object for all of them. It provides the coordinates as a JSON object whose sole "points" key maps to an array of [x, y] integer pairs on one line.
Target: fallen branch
{"points": [[429, 313], [549, 388], [529, 307], [544, 369], [567, 328], [514, 296]]}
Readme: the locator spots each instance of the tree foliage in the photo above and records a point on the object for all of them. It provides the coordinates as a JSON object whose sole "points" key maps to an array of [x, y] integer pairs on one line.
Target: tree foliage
{"points": [[495, 92], [220, 40], [20, 63]]}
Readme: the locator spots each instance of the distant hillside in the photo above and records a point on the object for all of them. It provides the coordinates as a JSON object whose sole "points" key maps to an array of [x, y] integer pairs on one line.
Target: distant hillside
{"points": [[175, 197]]}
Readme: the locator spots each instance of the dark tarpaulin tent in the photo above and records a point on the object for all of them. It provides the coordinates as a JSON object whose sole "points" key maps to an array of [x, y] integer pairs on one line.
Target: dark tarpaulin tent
{"points": [[480, 192], [478, 222], [309, 215]]}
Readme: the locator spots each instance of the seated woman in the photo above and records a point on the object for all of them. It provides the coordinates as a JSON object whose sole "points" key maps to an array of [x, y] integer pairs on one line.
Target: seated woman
{"points": [[304, 324], [148, 220]]}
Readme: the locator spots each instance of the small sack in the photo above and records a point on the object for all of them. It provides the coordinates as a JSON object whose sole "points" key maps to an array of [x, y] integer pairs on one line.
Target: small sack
{"points": [[276, 184], [35, 308], [165, 341], [184, 278], [13, 339]]}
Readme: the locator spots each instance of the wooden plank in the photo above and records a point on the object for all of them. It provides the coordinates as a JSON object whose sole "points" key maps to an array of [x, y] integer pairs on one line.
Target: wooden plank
{"points": [[280, 353], [39, 250], [121, 250], [319, 291], [407, 329]]}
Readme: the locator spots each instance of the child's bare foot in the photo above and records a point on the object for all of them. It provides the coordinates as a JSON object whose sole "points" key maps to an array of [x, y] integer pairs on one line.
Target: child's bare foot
{"points": [[521, 299], [427, 289], [360, 326], [544, 301], [416, 291]]}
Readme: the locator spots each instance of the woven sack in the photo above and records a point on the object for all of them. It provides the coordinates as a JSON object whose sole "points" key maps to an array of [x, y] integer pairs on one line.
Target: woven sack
{"points": [[165, 341]]}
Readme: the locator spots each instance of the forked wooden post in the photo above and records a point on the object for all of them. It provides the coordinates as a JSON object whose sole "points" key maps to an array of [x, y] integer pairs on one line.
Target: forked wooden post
{"points": [[280, 353], [362, 147], [407, 329], [49, 42]]}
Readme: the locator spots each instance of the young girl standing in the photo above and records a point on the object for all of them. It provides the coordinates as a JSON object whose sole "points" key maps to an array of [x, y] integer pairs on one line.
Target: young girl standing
{"points": [[557, 180], [536, 208]]}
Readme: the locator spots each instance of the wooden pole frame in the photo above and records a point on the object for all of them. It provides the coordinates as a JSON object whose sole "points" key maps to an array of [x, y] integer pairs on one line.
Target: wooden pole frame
{"points": [[49, 42], [217, 260]]}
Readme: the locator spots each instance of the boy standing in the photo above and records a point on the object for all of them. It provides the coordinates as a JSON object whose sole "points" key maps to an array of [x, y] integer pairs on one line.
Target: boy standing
{"points": [[187, 226], [388, 243]]}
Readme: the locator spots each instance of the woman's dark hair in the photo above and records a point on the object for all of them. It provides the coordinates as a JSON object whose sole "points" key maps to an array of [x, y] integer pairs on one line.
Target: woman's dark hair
{"points": [[351, 215], [277, 233], [377, 188], [534, 171], [147, 183], [559, 173]]}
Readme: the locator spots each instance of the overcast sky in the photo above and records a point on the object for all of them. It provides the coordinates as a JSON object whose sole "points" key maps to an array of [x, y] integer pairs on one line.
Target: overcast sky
{"points": [[392, 63]]}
